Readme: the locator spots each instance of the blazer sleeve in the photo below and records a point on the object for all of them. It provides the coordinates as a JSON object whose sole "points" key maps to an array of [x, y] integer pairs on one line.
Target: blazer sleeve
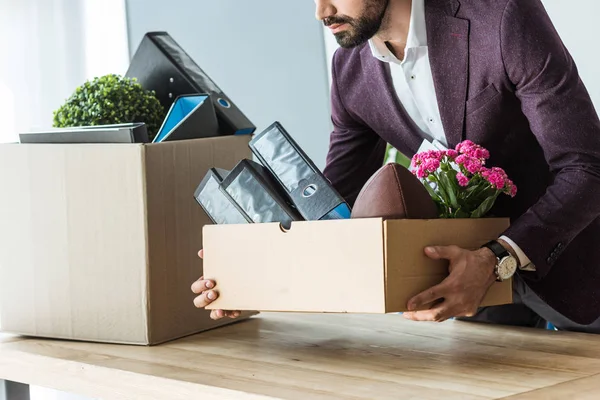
{"points": [[355, 152], [563, 119]]}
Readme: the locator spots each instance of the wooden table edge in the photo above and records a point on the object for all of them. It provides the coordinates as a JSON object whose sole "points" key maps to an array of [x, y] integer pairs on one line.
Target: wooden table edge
{"points": [[589, 384], [85, 379]]}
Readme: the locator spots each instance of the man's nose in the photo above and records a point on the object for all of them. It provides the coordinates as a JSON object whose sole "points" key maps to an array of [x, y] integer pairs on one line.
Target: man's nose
{"points": [[324, 9]]}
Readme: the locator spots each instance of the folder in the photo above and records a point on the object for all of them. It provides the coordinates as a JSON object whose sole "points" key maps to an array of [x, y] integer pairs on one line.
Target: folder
{"points": [[306, 186], [113, 133], [254, 191], [215, 203], [161, 64], [190, 117]]}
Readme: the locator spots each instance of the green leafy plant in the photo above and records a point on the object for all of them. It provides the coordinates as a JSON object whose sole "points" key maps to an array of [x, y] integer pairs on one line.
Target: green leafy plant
{"points": [[111, 99]]}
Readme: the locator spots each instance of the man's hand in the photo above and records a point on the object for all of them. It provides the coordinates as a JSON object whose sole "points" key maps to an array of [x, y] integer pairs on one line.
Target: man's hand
{"points": [[461, 293], [205, 289]]}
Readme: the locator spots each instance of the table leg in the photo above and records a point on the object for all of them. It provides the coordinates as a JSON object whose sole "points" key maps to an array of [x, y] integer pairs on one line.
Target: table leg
{"points": [[13, 391]]}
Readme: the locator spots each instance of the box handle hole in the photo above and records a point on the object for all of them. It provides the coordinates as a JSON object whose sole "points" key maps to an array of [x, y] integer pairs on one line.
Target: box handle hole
{"points": [[285, 226]]}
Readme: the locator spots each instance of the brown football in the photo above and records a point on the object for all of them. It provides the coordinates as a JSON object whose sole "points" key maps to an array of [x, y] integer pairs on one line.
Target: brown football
{"points": [[393, 192]]}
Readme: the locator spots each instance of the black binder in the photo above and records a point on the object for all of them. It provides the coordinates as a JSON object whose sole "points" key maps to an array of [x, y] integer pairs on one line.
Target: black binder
{"points": [[254, 191], [190, 117], [215, 203], [306, 186], [160, 64]]}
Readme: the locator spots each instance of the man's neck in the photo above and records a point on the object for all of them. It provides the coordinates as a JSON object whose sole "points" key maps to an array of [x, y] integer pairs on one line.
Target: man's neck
{"points": [[394, 32]]}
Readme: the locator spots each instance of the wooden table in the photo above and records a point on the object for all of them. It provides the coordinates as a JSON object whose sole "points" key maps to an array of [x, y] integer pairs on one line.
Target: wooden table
{"points": [[297, 356]]}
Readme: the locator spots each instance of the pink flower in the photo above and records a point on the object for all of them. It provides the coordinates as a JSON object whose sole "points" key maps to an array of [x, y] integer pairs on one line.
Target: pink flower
{"points": [[431, 165], [495, 178], [462, 180], [500, 171], [415, 161], [460, 160], [480, 153], [473, 165], [427, 162], [425, 156], [464, 146], [432, 155], [511, 188], [452, 154], [473, 150]]}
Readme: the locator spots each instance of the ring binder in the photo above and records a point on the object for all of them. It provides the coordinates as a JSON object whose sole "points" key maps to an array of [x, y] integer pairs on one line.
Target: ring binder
{"points": [[161, 64], [306, 186]]}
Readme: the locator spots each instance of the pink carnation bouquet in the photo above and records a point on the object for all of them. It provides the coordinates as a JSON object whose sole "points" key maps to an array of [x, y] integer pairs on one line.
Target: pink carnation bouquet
{"points": [[459, 182]]}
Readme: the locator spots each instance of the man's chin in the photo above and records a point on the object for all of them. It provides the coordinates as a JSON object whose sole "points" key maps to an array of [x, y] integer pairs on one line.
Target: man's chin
{"points": [[348, 41]]}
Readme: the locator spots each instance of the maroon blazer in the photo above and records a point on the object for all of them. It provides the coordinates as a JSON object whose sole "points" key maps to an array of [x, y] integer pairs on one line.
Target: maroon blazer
{"points": [[504, 80]]}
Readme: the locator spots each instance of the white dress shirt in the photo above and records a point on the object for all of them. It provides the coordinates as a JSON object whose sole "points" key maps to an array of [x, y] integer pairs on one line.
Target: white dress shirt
{"points": [[413, 83]]}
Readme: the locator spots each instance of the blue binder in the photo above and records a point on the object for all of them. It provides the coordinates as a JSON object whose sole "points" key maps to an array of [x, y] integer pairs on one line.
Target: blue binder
{"points": [[190, 117]]}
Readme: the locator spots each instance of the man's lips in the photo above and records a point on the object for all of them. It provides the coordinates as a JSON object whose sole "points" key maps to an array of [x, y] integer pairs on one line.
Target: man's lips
{"points": [[337, 27]]}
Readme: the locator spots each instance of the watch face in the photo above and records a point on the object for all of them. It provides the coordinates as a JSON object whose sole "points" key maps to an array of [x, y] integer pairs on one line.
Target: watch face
{"points": [[507, 267]]}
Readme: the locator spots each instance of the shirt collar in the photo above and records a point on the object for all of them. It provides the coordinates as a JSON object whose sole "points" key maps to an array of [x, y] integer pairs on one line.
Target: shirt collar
{"points": [[417, 34]]}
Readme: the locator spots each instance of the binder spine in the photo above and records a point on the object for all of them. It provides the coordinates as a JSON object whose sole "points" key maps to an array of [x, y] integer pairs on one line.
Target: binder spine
{"points": [[308, 189], [253, 190], [217, 205]]}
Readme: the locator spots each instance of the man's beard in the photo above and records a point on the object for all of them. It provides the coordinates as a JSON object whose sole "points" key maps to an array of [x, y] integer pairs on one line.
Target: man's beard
{"points": [[362, 28]]}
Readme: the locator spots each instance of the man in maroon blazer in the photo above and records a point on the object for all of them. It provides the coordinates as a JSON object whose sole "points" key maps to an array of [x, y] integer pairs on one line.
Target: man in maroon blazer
{"points": [[494, 72], [497, 73]]}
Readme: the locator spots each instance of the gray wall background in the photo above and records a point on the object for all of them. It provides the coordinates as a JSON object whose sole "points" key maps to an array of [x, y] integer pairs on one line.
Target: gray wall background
{"points": [[267, 55]]}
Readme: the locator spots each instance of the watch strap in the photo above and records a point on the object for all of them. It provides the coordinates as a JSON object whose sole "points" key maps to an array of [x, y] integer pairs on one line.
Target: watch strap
{"points": [[499, 251]]}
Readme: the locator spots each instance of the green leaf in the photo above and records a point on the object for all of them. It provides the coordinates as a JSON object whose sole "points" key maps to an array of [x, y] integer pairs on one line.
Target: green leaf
{"points": [[450, 189], [440, 188], [484, 207], [460, 213], [431, 192]]}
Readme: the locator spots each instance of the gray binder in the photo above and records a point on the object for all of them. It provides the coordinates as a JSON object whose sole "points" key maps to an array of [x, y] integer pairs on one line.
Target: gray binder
{"points": [[116, 133]]}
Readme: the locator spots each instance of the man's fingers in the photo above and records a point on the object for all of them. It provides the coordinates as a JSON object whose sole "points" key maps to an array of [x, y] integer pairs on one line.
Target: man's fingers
{"points": [[218, 314], [201, 253], [201, 285], [429, 296], [205, 298], [439, 252], [439, 313]]}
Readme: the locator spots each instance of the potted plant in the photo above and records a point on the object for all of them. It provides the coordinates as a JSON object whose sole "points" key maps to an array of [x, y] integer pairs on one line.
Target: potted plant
{"points": [[111, 99]]}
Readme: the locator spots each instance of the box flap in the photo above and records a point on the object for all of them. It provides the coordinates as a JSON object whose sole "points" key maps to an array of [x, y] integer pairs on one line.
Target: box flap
{"points": [[262, 267], [409, 271], [73, 241]]}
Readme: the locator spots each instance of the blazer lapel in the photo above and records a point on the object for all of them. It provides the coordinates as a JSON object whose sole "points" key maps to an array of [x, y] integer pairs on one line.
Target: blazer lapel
{"points": [[448, 43], [393, 117]]}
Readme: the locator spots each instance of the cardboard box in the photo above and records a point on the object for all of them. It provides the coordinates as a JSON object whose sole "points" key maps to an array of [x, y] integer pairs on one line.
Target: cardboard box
{"points": [[99, 242], [338, 266]]}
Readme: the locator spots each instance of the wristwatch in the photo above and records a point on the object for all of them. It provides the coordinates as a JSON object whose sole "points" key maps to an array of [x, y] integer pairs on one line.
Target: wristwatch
{"points": [[506, 264]]}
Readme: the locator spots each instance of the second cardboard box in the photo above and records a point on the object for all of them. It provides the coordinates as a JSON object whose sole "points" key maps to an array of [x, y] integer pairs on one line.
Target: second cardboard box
{"points": [[340, 266]]}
